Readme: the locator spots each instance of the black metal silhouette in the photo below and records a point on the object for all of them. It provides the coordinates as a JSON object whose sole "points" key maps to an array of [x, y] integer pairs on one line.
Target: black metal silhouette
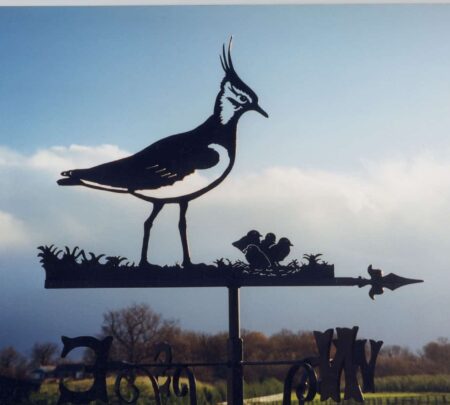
{"points": [[348, 358], [279, 251], [307, 387], [167, 162], [343, 360], [367, 368], [268, 241], [252, 238], [256, 257], [99, 369], [266, 253], [378, 281], [74, 269]]}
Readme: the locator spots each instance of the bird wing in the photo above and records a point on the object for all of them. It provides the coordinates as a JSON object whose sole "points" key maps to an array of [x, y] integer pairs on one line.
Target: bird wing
{"points": [[242, 243], [160, 164]]}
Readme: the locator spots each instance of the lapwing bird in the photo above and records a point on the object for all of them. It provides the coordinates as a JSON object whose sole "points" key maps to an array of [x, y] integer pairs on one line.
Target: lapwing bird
{"points": [[267, 242], [278, 252], [256, 257], [161, 173], [252, 238]]}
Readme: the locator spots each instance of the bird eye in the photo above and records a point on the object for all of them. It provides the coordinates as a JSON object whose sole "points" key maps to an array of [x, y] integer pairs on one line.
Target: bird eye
{"points": [[242, 98]]}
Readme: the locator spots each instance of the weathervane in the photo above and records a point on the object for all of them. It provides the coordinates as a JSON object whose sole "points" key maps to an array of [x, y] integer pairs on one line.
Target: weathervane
{"points": [[161, 174]]}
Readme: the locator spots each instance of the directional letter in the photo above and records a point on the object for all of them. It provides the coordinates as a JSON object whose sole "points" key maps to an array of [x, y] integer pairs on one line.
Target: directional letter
{"points": [[98, 388], [330, 374], [367, 368]]}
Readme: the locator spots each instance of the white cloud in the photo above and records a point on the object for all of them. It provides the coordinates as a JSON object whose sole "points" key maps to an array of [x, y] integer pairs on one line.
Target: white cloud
{"points": [[9, 157], [60, 158], [13, 232], [29, 201], [395, 212], [413, 191]]}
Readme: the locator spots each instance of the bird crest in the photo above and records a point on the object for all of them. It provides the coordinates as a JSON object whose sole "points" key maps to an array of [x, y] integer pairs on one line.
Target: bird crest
{"points": [[227, 63]]}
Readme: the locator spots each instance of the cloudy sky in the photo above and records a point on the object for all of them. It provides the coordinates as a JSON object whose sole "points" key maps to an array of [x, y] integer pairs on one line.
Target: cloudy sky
{"points": [[354, 161]]}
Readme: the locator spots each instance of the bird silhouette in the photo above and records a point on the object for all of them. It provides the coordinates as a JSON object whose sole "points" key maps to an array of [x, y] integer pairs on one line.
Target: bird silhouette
{"points": [[169, 163], [267, 242], [279, 251], [256, 257], [252, 238]]}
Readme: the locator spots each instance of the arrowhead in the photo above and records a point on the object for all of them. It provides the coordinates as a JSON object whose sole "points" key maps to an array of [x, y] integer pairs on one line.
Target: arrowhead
{"points": [[391, 281]]}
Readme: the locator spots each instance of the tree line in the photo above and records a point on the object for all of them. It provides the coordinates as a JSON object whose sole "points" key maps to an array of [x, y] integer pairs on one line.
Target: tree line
{"points": [[137, 328]]}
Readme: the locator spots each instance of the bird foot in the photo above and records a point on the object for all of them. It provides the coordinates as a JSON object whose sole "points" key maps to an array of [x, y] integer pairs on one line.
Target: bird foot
{"points": [[188, 264], [145, 264]]}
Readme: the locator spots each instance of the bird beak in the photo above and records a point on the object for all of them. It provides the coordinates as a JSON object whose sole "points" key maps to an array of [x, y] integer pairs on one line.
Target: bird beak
{"points": [[260, 110]]}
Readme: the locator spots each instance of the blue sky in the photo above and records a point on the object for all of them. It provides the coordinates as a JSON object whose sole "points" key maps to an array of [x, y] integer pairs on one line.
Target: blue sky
{"points": [[356, 151], [91, 75]]}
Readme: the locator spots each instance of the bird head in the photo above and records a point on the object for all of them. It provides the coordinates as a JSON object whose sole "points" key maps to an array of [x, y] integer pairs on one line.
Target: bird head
{"points": [[270, 238], [253, 236], [235, 97], [285, 242]]}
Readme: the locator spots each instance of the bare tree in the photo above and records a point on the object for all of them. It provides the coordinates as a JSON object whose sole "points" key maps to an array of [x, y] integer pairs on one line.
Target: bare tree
{"points": [[136, 329], [12, 363], [437, 354], [43, 354]]}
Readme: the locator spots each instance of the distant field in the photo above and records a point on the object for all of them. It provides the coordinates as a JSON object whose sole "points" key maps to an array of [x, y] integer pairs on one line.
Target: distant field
{"points": [[49, 392], [397, 398], [403, 390], [414, 383]]}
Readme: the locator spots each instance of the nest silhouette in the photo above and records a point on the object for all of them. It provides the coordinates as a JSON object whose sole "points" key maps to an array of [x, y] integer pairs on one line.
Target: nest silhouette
{"points": [[77, 268]]}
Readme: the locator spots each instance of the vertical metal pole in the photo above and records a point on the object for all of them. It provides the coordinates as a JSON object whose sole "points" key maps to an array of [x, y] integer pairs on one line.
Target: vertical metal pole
{"points": [[235, 381]]}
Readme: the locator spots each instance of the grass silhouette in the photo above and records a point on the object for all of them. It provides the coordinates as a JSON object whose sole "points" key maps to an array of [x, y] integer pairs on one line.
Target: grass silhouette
{"points": [[75, 268]]}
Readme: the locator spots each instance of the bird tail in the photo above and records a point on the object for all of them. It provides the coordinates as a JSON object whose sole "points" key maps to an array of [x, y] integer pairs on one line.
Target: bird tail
{"points": [[240, 244], [70, 180]]}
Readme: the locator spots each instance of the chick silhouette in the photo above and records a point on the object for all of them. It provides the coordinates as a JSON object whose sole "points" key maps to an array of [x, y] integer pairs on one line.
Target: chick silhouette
{"points": [[267, 242], [279, 251], [252, 238], [256, 257]]}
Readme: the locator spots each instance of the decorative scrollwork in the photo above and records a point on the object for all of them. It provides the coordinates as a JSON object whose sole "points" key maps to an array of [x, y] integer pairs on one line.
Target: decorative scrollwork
{"points": [[130, 377], [379, 281], [129, 393], [183, 389], [307, 386], [133, 391], [164, 355]]}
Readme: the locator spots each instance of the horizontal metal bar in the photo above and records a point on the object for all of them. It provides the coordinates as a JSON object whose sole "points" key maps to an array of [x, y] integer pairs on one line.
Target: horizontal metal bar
{"points": [[275, 362], [112, 366], [128, 282], [122, 365]]}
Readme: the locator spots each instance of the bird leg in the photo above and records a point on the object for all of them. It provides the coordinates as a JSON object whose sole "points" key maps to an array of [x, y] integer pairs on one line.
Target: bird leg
{"points": [[182, 227], [157, 207]]}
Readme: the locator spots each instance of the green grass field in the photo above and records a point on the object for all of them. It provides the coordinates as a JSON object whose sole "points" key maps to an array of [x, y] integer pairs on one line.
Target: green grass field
{"points": [[49, 392], [413, 391], [398, 398]]}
